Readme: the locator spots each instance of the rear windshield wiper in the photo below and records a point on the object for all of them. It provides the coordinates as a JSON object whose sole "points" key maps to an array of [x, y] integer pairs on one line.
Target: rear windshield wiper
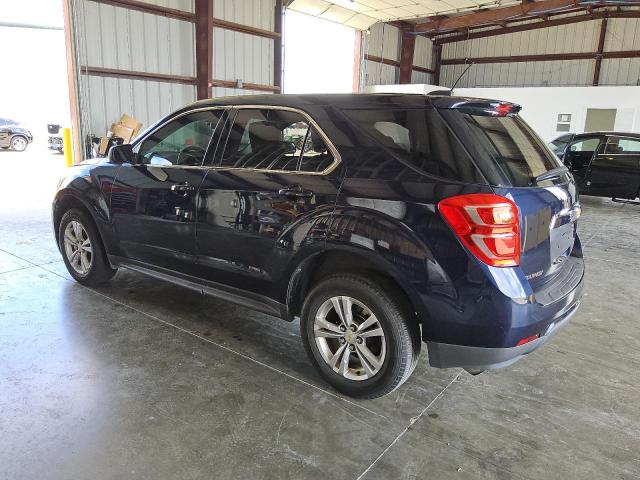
{"points": [[554, 173]]}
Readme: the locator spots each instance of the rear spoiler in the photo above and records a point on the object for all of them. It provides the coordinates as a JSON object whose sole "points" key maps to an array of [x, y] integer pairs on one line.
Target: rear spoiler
{"points": [[491, 108]]}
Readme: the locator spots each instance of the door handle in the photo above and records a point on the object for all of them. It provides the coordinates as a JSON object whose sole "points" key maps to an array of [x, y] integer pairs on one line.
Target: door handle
{"points": [[295, 192], [183, 189]]}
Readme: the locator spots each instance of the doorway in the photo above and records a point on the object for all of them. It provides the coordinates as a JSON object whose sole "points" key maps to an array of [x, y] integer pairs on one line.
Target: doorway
{"points": [[600, 120]]}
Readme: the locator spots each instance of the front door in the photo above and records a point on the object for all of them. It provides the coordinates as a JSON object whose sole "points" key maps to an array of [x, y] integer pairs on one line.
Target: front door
{"points": [[615, 171], [265, 199], [153, 201], [577, 157]]}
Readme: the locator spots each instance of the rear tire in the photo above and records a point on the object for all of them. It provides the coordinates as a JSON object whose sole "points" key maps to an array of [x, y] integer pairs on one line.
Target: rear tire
{"points": [[82, 249], [375, 352]]}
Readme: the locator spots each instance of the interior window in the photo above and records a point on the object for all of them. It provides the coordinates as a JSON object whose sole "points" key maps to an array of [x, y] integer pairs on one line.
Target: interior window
{"points": [[558, 145], [587, 145], [617, 145], [316, 156], [183, 141], [265, 139]]}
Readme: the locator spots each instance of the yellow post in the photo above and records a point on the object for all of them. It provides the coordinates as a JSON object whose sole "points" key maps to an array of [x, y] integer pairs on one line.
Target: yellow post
{"points": [[67, 147]]}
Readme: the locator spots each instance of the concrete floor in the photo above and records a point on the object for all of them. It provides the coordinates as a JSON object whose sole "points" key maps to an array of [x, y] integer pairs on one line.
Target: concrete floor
{"points": [[141, 379]]}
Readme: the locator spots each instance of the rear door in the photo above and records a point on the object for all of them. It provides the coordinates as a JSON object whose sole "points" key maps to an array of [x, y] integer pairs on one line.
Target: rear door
{"points": [[578, 157], [261, 201], [154, 202], [615, 170]]}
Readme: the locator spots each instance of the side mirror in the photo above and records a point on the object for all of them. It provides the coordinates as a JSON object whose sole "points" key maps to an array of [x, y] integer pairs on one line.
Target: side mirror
{"points": [[122, 154]]}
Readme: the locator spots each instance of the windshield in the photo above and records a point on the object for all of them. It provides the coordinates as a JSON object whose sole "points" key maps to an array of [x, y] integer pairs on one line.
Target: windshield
{"points": [[515, 148]]}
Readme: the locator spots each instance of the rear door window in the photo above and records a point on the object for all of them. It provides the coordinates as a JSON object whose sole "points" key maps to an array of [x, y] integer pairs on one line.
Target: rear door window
{"points": [[275, 139], [622, 146], [420, 139]]}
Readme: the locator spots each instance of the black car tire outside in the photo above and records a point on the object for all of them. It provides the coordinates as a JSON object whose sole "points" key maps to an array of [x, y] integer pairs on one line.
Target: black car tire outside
{"points": [[26, 143], [402, 334], [100, 271]]}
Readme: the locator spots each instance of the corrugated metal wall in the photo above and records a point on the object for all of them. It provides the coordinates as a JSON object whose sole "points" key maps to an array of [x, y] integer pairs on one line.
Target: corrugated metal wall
{"points": [[118, 38], [622, 34], [123, 39], [382, 41], [385, 41], [422, 57], [240, 56]]}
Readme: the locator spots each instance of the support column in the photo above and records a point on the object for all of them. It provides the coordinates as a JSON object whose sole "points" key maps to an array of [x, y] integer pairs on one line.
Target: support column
{"points": [[357, 61], [72, 78], [407, 49], [204, 47], [277, 46], [437, 55], [601, 41]]}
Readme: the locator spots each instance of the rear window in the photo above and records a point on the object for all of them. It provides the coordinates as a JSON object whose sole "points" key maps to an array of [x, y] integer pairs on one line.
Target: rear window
{"points": [[420, 139], [515, 148]]}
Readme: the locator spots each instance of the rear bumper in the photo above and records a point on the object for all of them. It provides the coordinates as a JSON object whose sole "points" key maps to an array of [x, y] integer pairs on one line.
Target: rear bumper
{"points": [[443, 355]]}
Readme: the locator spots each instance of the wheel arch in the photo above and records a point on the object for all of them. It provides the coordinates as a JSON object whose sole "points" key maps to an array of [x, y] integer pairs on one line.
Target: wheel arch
{"points": [[63, 203], [333, 261]]}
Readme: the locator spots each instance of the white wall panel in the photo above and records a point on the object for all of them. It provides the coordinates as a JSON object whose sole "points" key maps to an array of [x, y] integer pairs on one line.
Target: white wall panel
{"points": [[242, 56], [622, 34]]}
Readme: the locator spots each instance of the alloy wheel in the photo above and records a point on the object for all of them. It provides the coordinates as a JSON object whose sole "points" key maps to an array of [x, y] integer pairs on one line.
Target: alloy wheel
{"points": [[19, 144], [77, 246], [350, 338]]}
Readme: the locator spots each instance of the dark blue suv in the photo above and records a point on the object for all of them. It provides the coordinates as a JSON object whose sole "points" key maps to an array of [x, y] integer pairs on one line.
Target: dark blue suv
{"points": [[380, 221]]}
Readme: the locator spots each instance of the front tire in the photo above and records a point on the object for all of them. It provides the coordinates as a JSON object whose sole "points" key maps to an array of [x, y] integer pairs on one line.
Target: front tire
{"points": [[19, 143], [82, 250], [360, 335]]}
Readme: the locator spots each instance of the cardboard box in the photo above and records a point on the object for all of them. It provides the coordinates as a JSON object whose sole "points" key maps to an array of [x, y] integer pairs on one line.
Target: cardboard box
{"points": [[125, 133], [102, 148], [127, 128], [130, 122]]}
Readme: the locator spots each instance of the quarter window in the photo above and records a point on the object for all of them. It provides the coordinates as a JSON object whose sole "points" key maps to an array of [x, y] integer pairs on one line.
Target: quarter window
{"points": [[420, 138], [183, 141]]}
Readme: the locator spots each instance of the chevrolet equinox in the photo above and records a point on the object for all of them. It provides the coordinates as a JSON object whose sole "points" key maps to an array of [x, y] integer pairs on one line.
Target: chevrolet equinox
{"points": [[381, 221]]}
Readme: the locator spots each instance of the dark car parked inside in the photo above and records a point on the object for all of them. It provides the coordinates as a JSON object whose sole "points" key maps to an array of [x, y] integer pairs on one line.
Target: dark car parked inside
{"points": [[381, 221], [604, 164], [13, 135]]}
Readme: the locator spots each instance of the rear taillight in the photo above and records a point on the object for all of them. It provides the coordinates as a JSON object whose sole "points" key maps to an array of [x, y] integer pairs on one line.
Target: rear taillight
{"points": [[487, 224]]}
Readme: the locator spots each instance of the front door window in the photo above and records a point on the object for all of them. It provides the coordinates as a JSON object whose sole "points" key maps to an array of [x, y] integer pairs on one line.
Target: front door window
{"points": [[183, 141]]}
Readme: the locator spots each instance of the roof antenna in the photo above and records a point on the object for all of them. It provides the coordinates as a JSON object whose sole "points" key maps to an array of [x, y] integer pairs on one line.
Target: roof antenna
{"points": [[455, 84]]}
